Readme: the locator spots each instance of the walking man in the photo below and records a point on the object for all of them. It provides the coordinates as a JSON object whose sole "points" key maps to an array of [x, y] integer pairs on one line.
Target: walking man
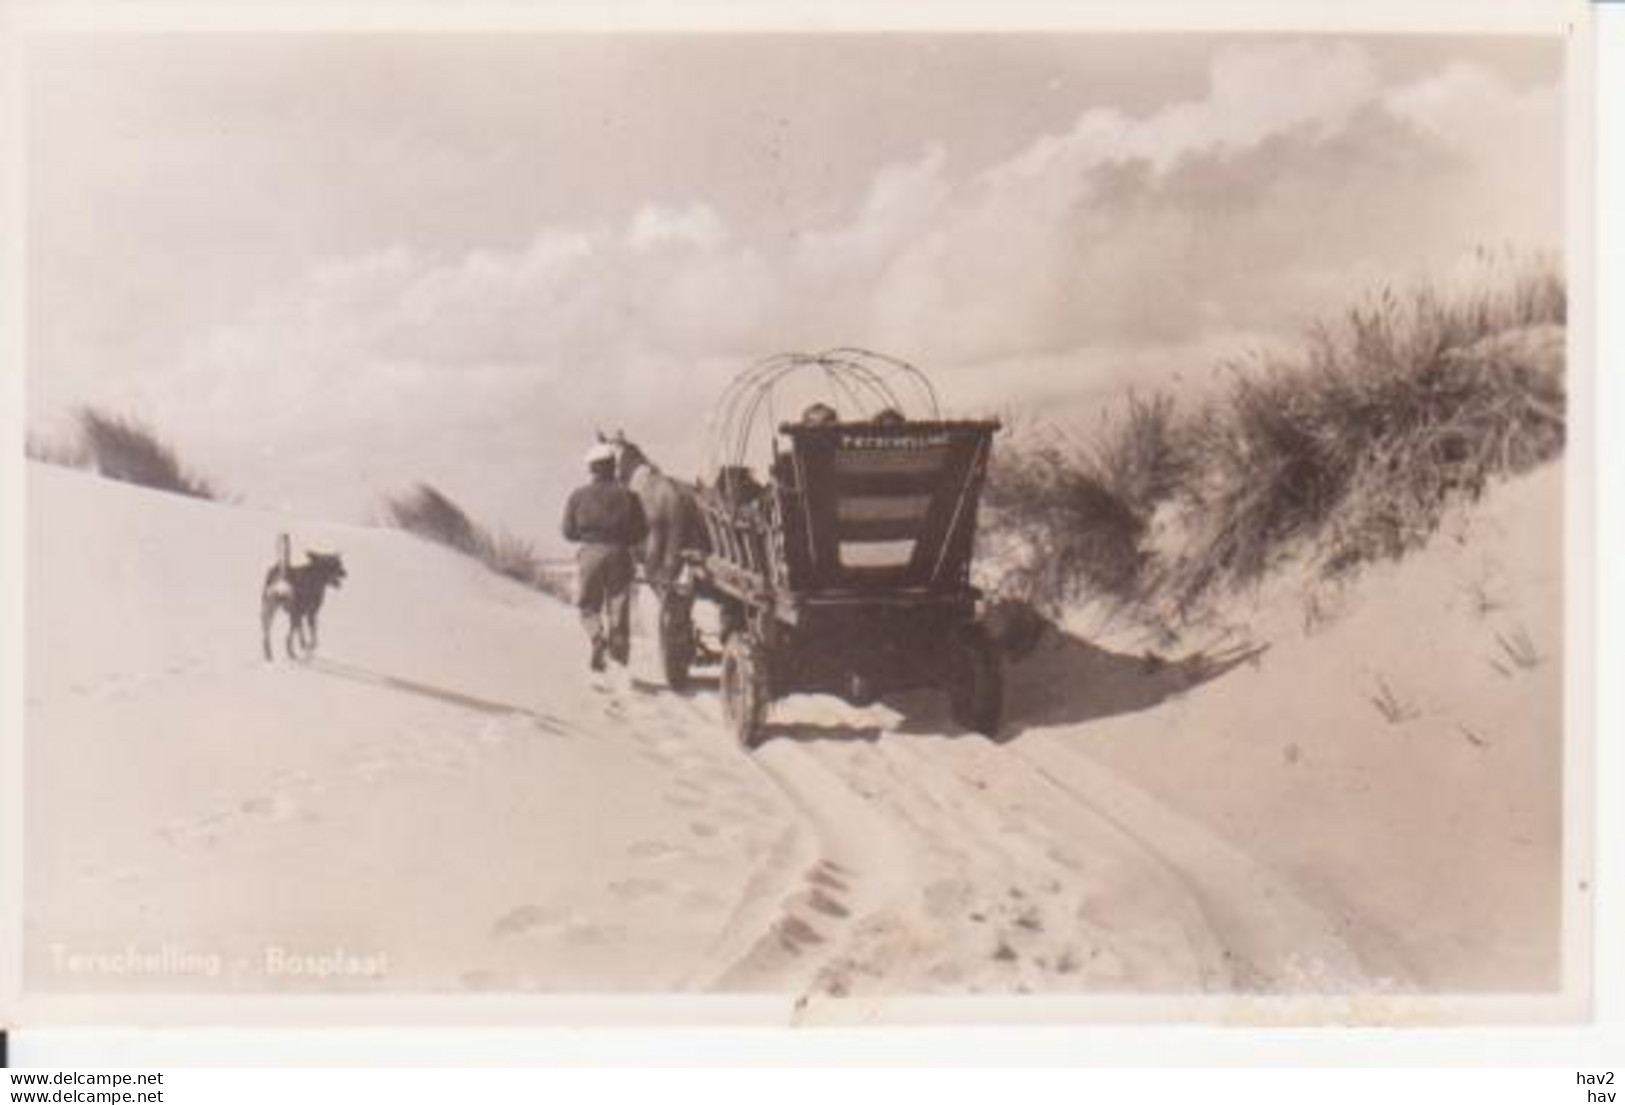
{"points": [[606, 520]]}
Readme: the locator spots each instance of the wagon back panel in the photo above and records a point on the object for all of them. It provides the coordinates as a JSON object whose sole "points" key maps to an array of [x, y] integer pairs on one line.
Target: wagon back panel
{"points": [[881, 509]]}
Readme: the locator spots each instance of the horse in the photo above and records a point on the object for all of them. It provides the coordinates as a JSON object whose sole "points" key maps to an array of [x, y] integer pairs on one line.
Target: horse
{"points": [[298, 591], [676, 531], [671, 508]]}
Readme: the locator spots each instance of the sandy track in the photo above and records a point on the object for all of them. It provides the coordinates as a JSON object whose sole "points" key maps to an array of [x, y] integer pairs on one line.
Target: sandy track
{"points": [[918, 864], [445, 789], [958, 865]]}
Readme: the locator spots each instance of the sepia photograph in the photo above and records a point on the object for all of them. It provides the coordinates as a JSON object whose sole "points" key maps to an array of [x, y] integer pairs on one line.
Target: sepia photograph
{"points": [[1065, 524]]}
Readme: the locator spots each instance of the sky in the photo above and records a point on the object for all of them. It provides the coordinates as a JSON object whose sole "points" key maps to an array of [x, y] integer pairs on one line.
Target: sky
{"points": [[327, 267]]}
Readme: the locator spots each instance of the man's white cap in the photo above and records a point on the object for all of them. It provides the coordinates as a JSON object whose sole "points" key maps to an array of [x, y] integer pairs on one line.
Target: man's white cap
{"points": [[601, 452]]}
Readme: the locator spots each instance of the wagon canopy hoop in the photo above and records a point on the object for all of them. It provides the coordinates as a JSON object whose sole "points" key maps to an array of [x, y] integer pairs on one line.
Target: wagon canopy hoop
{"points": [[866, 381]]}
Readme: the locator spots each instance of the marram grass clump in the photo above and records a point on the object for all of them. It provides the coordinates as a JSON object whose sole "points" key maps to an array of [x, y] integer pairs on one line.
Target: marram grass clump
{"points": [[1346, 452]]}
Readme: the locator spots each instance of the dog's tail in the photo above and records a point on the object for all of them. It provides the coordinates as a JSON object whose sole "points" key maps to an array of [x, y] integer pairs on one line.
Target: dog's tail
{"points": [[277, 580]]}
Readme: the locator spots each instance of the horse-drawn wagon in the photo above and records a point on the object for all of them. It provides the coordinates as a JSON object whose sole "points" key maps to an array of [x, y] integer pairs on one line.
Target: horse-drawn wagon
{"points": [[845, 566]]}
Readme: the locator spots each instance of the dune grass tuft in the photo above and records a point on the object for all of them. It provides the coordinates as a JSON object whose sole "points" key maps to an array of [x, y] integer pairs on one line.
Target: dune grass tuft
{"points": [[1346, 452], [64, 453], [431, 514], [123, 448]]}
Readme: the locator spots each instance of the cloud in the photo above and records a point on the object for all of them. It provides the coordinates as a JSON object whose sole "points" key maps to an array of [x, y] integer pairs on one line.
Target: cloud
{"points": [[1293, 173], [695, 225], [1100, 255]]}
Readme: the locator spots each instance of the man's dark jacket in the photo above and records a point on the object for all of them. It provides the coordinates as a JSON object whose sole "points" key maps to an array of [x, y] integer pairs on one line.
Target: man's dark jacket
{"points": [[604, 513]]}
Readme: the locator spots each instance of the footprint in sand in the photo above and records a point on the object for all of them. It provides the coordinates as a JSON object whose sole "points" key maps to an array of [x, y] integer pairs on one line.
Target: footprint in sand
{"points": [[653, 850], [527, 918], [636, 888], [821, 876], [795, 934], [371, 770], [797, 928], [654, 758], [678, 748], [485, 981], [743, 807], [702, 899], [715, 772], [826, 904], [727, 842], [203, 830], [584, 934], [1030, 920], [276, 807]]}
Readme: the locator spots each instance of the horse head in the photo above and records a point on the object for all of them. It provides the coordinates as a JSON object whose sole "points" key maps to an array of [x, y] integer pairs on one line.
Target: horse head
{"points": [[628, 458]]}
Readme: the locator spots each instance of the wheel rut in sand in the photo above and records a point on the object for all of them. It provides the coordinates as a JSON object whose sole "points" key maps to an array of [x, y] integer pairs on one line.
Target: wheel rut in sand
{"points": [[842, 883], [1280, 940], [1014, 892], [918, 864], [953, 865], [927, 883], [736, 809]]}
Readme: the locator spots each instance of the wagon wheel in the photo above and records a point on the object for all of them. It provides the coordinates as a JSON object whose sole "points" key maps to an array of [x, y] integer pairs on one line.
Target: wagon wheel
{"points": [[744, 687], [676, 637], [976, 680]]}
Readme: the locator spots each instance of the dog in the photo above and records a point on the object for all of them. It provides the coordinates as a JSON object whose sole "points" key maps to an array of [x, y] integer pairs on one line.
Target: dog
{"points": [[298, 592]]}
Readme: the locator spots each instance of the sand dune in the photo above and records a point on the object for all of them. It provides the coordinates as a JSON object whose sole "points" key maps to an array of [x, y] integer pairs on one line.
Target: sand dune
{"points": [[445, 802]]}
